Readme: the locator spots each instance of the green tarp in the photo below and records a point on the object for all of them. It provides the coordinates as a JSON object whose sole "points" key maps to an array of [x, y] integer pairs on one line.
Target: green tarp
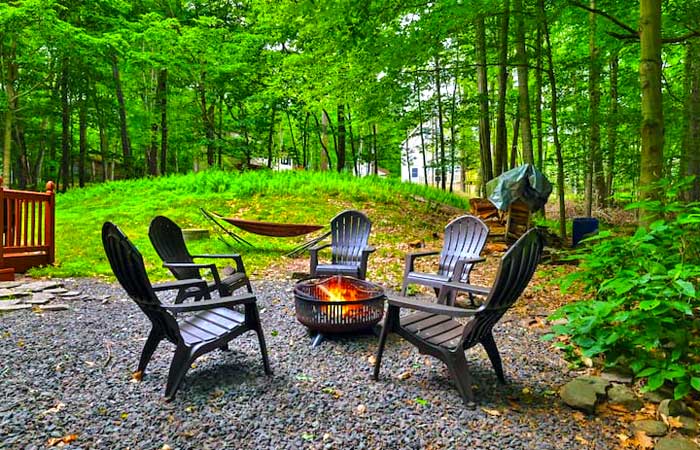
{"points": [[525, 183]]}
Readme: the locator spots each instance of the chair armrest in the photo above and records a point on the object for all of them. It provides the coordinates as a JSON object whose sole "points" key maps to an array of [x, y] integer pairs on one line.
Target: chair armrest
{"points": [[319, 247], [211, 304], [234, 256], [180, 284], [411, 258], [430, 307], [189, 266], [459, 267], [369, 249], [211, 267], [478, 290]]}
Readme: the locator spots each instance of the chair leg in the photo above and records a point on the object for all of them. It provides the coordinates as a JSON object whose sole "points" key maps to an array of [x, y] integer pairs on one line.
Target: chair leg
{"points": [[255, 319], [492, 350], [149, 347], [459, 372], [178, 368], [388, 326], [248, 286]]}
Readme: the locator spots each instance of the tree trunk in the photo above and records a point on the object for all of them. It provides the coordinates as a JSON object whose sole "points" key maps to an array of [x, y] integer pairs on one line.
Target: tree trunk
{"points": [[652, 130], [270, 134], [691, 147], [375, 148], [305, 141], [443, 161], [353, 150], [514, 145], [126, 143], [65, 129], [501, 150], [555, 125], [597, 174], [422, 138], [523, 84], [291, 135], [9, 81], [82, 140], [538, 98], [162, 99], [484, 116], [340, 149], [207, 119], [612, 122]]}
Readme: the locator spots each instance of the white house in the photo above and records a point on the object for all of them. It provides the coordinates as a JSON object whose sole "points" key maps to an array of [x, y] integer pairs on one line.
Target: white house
{"points": [[413, 170]]}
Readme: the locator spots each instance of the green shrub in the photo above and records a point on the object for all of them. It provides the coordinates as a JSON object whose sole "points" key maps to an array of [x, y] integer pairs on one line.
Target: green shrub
{"points": [[644, 305]]}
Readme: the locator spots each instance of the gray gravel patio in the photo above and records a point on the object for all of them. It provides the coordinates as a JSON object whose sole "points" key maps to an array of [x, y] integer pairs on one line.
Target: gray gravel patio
{"points": [[69, 372]]}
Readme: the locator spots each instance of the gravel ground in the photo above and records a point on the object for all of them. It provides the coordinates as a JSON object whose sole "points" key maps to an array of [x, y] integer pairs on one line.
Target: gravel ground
{"points": [[68, 372]]}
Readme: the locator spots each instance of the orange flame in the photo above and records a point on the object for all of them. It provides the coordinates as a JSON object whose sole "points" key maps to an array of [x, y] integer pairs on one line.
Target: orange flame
{"points": [[337, 291]]}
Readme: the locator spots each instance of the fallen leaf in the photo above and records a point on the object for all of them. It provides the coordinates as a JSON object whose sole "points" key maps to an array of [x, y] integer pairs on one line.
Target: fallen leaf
{"points": [[580, 439], [361, 409], [405, 375], [137, 376], [491, 412], [59, 406], [67, 439], [588, 362], [673, 422], [372, 360], [641, 441], [166, 447]]}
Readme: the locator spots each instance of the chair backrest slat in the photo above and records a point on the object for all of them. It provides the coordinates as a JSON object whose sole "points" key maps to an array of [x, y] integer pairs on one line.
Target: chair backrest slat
{"points": [[127, 264], [166, 237], [515, 272], [464, 236], [349, 236]]}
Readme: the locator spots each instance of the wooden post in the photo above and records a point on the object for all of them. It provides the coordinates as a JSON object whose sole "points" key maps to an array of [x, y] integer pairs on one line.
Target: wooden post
{"points": [[50, 221]]}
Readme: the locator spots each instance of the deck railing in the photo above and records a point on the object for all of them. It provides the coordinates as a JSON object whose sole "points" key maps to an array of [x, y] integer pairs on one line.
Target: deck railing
{"points": [[28, 219]]}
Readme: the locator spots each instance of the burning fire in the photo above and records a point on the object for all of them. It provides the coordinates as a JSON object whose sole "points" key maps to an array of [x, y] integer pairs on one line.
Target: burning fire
{"points": [[337, 290]]}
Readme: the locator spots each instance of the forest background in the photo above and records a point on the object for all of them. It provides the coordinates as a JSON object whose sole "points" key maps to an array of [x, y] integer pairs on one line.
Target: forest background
{"points": [[108, 89]]}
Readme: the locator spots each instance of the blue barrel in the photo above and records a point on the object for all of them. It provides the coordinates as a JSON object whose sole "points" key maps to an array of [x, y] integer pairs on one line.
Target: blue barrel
{"points": [[583, 226]]}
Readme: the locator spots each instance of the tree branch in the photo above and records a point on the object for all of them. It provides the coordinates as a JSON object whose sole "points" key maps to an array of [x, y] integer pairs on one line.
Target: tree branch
{"points": [[611, 18]]}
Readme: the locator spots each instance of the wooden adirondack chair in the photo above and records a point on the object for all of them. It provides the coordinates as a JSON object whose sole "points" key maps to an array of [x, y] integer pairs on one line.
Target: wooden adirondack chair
{"points": [[166, 237], [465, 237], [349, 250], [433, 328], [213, 324]]}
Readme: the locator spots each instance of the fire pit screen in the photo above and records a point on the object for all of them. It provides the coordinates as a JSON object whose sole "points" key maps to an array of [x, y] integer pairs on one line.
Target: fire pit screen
{"points": [[338, 304]]}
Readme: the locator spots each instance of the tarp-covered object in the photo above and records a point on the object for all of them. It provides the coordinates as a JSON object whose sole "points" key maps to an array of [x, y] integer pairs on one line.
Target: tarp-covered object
{"points": [[525, 183]]}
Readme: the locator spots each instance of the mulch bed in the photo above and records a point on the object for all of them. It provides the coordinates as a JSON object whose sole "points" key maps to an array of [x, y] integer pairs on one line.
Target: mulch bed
{"points": [[67, 374]]}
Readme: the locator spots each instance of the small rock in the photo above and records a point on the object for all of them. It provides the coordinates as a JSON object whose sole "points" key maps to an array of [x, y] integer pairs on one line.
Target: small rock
{"points": [[38, 286], [617, 377], [70, 294], [583, 392], [54, 307], [675, 443], [57, 290], [649, 427], [624, 396], [39, 299], [671, 407], [688, 426], [12, 293], [13, 307]]}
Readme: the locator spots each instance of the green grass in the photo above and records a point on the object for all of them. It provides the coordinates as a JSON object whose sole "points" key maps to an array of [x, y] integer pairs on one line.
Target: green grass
{"points": [[293, 197]]}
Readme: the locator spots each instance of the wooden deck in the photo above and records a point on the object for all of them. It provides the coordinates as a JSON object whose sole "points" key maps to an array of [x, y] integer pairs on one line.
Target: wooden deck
{"points": [[28, 238]]}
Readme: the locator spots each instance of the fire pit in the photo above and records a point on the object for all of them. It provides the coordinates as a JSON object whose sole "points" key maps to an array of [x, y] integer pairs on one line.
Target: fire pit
{"points": [[337, 304]]}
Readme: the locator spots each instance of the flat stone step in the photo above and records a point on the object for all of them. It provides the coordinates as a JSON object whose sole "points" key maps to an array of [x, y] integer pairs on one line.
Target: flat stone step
{"points": [[15, 307]]}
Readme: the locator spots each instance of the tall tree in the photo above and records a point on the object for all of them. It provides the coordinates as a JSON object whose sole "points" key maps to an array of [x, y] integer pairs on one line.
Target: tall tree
{"points": [[501, 149], [484, 116], [652, 128], [523, 84]]}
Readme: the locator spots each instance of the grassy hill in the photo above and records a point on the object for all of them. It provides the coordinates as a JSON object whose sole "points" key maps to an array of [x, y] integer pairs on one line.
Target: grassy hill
{"points": [[401, 213]]}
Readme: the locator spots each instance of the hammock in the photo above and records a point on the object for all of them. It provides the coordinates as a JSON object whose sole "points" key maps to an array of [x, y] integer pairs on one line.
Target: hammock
{"points": [[272, 229]]}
